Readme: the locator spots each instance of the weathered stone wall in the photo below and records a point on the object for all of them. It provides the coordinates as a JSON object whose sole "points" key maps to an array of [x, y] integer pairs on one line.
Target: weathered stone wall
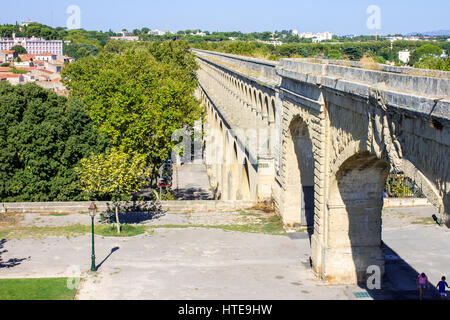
{"points": [[339, 129], [82, 206], [255, 69], [242, 113]]}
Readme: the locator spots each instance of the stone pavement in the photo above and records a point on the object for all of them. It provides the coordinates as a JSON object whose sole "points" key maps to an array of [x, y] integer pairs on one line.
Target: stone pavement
{"points": [[202, 263], [191, 182]]}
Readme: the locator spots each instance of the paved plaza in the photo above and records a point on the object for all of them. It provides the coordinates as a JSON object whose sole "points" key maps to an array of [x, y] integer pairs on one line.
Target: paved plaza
{"points": [[205, 263], [191, 182]]}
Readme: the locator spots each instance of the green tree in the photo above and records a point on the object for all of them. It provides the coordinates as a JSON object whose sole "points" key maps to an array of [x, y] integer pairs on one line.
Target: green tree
{"points": [[434, 63], [42, 139], [424, 51], [78, 51], [446, 47], [19, 49], [139, 96], [116, 175], [353, 53], [334, 54]]}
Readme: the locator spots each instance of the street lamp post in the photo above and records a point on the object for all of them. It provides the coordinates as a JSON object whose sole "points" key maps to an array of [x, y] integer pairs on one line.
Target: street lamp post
{"points": [[92, 213]]}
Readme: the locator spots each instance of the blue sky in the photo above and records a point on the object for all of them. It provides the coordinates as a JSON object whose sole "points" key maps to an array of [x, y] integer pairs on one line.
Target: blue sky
{"points": [[337, 16]]}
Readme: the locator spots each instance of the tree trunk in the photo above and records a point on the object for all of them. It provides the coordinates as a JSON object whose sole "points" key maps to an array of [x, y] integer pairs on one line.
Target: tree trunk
{"points": [[117, 219]]}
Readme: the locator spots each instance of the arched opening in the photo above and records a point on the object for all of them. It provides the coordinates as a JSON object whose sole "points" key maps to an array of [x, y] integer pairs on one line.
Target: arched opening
{"points": [[221, 145], [266, 108], [227, 178], [355, 203], [260, 105], [246, 181], [299, 176], [236, 193], [255, 101], [273, 114]]}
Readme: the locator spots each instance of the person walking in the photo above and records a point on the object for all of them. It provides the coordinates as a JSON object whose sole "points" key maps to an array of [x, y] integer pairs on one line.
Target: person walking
{"points": [[441, 286], [422, 284]]}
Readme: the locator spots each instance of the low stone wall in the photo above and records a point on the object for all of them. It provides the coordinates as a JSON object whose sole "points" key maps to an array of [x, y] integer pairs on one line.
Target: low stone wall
{"points": [[174, 206], [406, 202], [265, 68], [169, 206]]}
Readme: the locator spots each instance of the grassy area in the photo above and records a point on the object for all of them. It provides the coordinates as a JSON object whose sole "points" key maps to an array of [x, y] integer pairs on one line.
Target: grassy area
{"points": [[267, 225], [424, 221], [16, 231], [251, 223], [35, 289], [126, 230], [259, 220]]}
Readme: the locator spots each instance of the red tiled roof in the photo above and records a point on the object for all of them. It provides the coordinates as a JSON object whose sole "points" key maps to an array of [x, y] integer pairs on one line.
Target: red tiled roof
{"points": [[8, 51], [27, 57], [45, 54], [9, 75], [46, 71], [5, 69]]}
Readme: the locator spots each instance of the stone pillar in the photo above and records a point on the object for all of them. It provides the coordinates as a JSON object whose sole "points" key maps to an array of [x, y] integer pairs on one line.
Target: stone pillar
{"points": [[351, 242]]}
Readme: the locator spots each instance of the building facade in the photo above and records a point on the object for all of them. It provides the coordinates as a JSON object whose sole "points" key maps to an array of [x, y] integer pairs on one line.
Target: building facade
{"points": [[33, 45]]}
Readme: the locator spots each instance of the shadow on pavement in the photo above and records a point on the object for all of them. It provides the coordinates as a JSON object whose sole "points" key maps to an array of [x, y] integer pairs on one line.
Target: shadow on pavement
{"points": [[192, 194], [134, 212], [399, 282], [11, 263], [109, 255]]}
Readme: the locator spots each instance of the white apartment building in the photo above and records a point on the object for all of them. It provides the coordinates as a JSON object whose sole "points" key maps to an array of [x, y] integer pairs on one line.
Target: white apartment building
{"points": [[126, 38], [46, 56], [201, 34], [27, 23], [317, 37], [33, 45], [157, 32]]}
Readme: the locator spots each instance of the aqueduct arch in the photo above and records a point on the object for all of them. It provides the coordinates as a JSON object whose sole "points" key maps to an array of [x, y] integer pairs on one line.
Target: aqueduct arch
{"points": [[236, 190], [299, 180], [338, 132], [246, 187], [354, 219]]}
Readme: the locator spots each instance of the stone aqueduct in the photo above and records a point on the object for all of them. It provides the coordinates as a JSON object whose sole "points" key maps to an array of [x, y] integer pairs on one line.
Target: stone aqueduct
{"points": [[328, 133]]}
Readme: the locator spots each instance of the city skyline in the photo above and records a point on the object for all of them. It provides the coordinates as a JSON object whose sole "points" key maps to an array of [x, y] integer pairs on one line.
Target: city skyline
{"points": [[345, 17]]}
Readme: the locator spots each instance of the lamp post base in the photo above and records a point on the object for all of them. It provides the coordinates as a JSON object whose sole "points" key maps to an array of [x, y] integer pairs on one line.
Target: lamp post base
{"points": [[93, 267]]}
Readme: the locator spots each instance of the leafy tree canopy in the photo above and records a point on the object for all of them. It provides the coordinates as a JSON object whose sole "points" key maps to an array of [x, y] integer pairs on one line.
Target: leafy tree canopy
{"points": [[19, 49], [138, 94], [114, 175], [42, 139], [424, 51], [353, 53]]}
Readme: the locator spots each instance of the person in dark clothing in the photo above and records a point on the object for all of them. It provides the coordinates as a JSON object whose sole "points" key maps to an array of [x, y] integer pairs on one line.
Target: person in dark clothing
{"points": [[441, 286]]}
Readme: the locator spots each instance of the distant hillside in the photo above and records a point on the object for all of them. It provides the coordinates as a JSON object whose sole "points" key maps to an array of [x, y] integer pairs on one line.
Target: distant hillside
{"points": [[432, 33]]}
